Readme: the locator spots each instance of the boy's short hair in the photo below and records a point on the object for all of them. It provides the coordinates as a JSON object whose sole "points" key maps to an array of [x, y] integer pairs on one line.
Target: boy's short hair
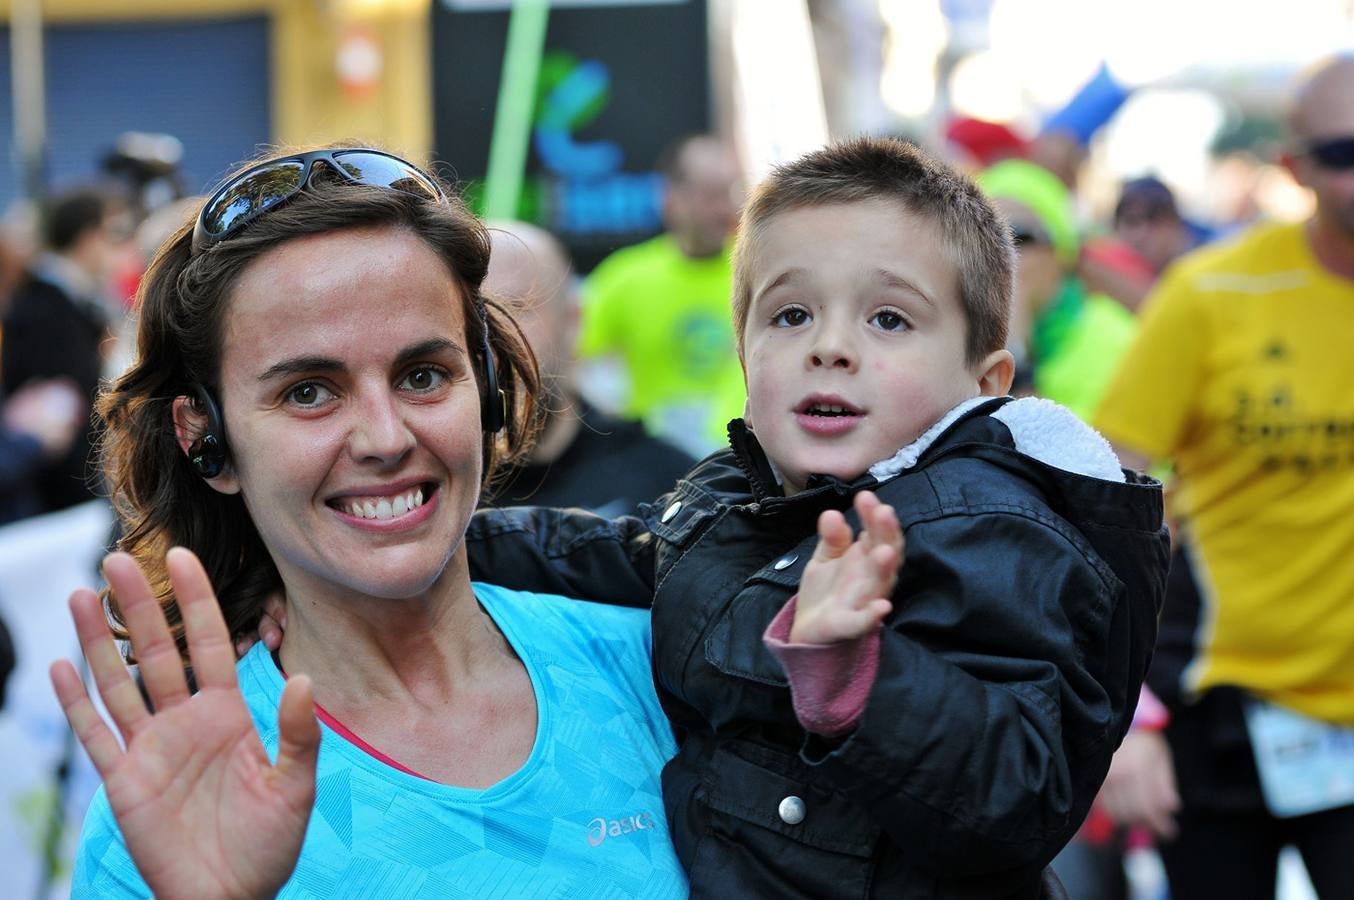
{"points": [[870, 168]]}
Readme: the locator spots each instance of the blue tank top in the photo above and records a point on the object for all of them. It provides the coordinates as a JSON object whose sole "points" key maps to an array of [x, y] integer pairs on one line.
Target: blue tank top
{"points": [[582, 817]]}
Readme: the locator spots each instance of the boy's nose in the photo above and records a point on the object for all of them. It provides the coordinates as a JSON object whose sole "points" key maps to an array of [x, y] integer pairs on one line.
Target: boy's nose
{"points": [[831, 350], [833, 359]]}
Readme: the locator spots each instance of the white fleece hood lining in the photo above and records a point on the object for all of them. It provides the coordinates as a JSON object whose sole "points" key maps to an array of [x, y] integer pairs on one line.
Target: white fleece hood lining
{"points": [[1042, 429]]}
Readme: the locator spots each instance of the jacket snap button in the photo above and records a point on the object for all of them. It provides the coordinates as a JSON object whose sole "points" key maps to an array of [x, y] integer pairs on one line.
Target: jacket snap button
{"points": [[791, 810], [671, 511], [784, 563]]}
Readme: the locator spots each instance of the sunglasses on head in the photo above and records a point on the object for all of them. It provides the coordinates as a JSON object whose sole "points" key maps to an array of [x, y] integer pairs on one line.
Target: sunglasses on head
{"points": [[1333, 153], [256, 190]]}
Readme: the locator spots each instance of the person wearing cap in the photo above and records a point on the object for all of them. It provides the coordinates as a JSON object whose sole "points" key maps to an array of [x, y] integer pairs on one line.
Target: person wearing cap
{"points": [[1072, 338], [1234, 375], [1147, 219]]}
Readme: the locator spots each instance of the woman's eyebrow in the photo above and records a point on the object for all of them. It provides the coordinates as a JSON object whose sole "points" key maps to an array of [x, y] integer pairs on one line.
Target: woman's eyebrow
{"points": [[430, 347], [298, 365]]}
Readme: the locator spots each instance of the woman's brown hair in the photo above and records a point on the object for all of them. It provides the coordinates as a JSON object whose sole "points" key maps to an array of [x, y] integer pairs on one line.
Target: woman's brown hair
{"points": [[160, 500]]}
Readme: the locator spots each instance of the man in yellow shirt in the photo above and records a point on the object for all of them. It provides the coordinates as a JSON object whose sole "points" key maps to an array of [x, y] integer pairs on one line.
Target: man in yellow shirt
{"points": [[662, 306], [1236, 376]]}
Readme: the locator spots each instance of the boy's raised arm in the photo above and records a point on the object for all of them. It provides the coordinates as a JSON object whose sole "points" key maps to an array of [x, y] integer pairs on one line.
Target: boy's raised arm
{"points": [[996, 706], [827, 636]]}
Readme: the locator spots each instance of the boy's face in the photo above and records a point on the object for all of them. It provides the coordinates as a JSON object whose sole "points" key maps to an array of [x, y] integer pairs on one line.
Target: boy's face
{"points": [[855, 338]]}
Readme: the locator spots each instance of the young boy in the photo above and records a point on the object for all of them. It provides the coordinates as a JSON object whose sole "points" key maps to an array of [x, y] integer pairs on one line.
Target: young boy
{"points": [[954, 751]]}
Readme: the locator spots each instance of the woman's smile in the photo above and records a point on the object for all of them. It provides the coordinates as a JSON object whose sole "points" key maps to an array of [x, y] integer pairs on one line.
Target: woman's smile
{"points": [[389, 510]]}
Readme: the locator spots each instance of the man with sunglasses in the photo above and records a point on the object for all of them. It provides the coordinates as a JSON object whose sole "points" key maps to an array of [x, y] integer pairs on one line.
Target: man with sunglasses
{"points": [[1235, 375]]}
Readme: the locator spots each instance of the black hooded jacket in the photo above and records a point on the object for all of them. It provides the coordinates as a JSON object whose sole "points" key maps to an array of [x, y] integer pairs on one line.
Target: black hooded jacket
{"points": [[1023, 624]]}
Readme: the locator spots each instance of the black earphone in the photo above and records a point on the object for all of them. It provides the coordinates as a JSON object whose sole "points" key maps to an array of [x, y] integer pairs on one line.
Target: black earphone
{"points": [[207, 455], [494, 403]]}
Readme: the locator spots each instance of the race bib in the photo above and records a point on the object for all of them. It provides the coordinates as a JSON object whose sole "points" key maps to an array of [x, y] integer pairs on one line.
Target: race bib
{"points": [[1305, 765]]}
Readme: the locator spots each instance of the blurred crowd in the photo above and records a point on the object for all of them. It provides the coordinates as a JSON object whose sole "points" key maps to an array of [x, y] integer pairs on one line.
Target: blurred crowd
{"points": [[1205, 351]]}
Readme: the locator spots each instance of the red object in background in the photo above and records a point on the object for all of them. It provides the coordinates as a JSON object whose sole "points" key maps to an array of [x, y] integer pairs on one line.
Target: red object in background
{"points": [[126, 284], [1117, 256], [987, 142]]}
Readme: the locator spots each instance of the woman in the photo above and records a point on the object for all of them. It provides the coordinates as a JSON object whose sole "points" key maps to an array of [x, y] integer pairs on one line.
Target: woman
{"points": [[319, 396]]}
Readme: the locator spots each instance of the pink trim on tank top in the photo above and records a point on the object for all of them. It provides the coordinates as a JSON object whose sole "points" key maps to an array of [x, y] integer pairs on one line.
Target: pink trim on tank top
{"points": [[342, 731]]}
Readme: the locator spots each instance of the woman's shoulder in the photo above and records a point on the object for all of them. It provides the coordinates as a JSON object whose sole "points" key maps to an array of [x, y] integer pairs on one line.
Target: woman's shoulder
{"points": [[579, 648]]}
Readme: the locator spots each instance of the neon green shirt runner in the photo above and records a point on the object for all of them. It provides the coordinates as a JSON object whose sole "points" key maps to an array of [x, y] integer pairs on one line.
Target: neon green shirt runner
{"points": [[668, 319]]}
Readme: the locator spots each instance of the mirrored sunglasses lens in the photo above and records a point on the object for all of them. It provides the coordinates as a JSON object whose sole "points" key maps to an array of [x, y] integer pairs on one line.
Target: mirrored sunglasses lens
{"points": [[251, 194], [365, 167], [1335, 154]]}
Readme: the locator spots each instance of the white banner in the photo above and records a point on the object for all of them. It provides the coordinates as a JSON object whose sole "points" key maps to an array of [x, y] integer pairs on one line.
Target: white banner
{"points": [[41, 561]]}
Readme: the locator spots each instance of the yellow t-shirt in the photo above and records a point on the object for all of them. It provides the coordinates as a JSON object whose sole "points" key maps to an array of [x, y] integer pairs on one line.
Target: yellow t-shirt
{"points": [[670, 321], [1237, 374]]}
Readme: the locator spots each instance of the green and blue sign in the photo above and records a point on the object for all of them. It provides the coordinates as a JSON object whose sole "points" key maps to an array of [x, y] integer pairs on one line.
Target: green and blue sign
{"points": [[616, 84]]}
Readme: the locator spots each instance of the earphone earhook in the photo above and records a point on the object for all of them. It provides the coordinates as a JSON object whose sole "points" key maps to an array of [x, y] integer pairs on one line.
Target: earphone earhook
{"points": [[494, 403], [207, 454]]}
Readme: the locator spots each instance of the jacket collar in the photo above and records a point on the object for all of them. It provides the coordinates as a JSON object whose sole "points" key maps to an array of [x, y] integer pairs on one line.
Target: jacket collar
{"points": [[752, 459], [1040, 429], [762, 476]]}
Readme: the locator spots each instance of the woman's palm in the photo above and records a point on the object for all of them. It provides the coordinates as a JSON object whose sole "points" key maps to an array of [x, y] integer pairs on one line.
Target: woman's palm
{"points": [[203, 811]]}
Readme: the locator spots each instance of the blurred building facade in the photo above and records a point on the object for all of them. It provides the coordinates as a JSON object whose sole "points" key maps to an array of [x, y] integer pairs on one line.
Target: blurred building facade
{"points": [[223, 76]]}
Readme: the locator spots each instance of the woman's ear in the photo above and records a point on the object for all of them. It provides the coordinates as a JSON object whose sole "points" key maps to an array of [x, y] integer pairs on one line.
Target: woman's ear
{"points": [[190, 427], [995, 374]]}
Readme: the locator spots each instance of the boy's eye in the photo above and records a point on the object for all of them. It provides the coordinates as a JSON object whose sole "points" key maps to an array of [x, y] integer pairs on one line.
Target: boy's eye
{"points": [[309, 394], [422, 379], [888, 320], [790, 318]]}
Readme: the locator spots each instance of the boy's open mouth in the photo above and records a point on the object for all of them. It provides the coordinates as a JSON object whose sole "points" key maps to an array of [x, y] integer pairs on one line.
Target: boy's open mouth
{"points": [[827, 408]]}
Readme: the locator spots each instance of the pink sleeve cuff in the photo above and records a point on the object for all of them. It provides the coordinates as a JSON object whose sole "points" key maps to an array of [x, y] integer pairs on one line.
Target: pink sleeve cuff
{"points": [[1150, 713], [829, 683]]}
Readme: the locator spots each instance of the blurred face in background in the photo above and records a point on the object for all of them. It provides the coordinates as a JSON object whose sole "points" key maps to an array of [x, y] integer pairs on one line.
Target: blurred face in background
{"points": [[1155, 232], [106, 250], [528, 266], [1323, 134], [700, 208], [1039, 274]]}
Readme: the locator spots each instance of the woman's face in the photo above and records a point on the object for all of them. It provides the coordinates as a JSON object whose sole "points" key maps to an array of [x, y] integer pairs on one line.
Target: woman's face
{"points": [[352, 412]]}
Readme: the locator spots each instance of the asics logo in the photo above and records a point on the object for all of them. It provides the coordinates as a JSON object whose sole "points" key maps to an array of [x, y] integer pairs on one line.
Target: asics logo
{"points": [[599, 829]]}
